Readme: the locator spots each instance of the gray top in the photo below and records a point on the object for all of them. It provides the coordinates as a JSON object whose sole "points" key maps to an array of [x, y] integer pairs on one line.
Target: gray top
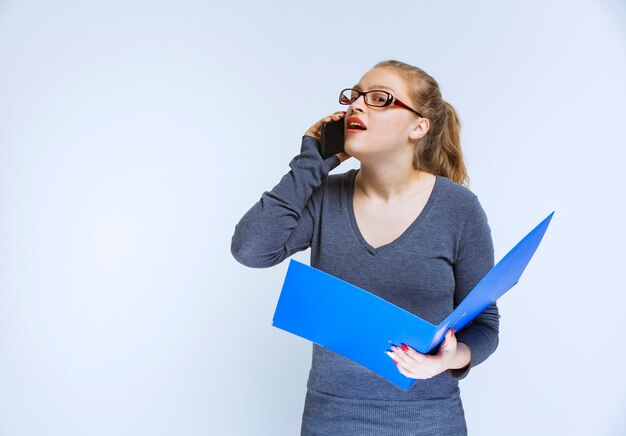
{"points": [[427, 270]]}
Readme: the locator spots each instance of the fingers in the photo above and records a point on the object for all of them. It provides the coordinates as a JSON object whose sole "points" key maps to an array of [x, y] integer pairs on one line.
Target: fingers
{"points": [[407, 373], [332, 117], [315, 129], [407, 354], [414, 364]]}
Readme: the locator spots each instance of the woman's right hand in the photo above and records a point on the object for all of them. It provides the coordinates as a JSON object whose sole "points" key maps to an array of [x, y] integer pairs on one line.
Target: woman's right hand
{"points": [[315, 130]]}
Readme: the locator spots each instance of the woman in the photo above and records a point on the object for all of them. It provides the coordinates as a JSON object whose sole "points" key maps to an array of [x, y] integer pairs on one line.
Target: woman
{"points": [[403, 227]]}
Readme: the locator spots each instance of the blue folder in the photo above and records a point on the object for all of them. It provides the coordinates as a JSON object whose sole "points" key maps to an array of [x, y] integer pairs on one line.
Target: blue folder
{"points": [[361, 326]]}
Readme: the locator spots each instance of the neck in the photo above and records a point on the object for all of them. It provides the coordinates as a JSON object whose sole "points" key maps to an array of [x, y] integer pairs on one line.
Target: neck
{"points": [[389, 182]]}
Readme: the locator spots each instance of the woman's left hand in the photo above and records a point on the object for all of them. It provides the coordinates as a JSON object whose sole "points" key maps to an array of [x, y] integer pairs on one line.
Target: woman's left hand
{"points": [[413, 364]]}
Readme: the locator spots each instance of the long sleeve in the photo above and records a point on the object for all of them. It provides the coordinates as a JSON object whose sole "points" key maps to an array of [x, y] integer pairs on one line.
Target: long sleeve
{"points": [[281, 222], [475, 257]]}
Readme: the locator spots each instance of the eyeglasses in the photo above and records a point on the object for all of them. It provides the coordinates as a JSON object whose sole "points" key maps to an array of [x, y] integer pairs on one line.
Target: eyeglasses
{"points": [[373, 98]]}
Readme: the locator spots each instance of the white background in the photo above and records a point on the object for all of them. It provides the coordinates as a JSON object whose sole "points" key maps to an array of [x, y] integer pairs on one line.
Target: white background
{"points": [[134, 135]]}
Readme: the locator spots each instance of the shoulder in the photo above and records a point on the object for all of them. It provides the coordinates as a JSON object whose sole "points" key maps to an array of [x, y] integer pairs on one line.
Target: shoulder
{"points": [[458, 202], [456, 195]]}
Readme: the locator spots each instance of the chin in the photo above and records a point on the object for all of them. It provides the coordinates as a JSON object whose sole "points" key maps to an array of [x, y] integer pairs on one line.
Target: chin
{"points": [[354, 147], [361, 150]]}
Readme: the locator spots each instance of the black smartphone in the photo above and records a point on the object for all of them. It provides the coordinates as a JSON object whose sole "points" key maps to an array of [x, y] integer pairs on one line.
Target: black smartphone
{"points": [[332, 137]]}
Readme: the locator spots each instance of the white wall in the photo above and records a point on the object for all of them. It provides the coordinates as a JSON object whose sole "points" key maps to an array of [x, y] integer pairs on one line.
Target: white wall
{"points": [[134, 135]]}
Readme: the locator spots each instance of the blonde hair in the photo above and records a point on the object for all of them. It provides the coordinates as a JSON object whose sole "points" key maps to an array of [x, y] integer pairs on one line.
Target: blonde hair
{"points": [[439, 151]]}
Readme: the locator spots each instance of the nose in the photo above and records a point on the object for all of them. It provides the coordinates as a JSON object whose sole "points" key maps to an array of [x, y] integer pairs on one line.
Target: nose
{"points": [[358, 104]]}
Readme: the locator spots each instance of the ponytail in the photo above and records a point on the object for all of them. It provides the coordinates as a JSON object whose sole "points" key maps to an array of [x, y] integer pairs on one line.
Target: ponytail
{"points": [[451, 160]]}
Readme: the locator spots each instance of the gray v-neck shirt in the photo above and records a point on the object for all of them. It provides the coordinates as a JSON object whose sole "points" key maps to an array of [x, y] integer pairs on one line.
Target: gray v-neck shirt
{"points": [[427, 270]]}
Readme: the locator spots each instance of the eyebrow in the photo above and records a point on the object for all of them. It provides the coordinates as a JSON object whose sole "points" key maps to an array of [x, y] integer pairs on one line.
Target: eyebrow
{"points": [[357, 87]]}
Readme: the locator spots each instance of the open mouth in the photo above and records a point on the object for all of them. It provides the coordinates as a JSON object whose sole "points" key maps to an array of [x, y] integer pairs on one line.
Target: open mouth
{"points": [[354, 124]]}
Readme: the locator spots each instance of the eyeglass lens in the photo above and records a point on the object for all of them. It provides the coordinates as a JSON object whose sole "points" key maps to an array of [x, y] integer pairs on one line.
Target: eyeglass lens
{"points": [[372, 98]]}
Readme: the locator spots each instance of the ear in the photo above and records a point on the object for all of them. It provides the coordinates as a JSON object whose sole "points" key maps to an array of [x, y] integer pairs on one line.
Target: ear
{"points": [[419, 128]]}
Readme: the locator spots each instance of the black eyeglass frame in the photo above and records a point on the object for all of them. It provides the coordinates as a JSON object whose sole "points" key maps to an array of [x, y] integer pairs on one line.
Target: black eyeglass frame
{"points": [[391, 100]]}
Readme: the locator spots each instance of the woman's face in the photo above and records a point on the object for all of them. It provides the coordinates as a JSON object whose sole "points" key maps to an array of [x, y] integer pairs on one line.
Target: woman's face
{"points": [[390, 130]]}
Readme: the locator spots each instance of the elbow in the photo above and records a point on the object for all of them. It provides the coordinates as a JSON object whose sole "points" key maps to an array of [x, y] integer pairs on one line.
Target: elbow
{"points": [[249, 257], [496, 341], [245, 256], [244, 253]]}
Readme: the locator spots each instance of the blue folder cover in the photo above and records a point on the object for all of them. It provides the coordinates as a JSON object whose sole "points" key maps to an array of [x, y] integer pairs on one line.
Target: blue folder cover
{"points": [[361, 326]]}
